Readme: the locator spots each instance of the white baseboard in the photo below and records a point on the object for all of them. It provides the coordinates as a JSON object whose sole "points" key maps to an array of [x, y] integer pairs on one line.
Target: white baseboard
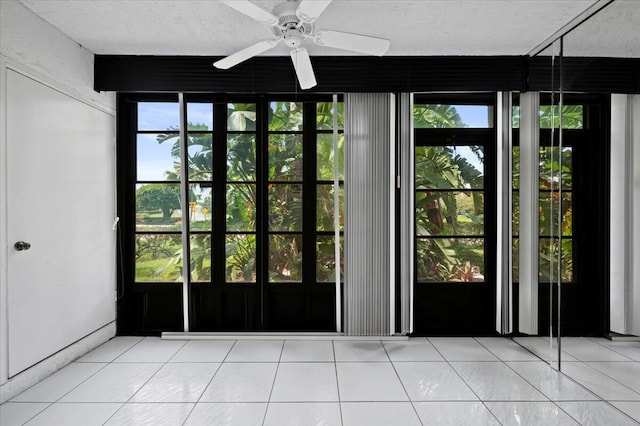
{"points": [[274, 336], [38, 372]]}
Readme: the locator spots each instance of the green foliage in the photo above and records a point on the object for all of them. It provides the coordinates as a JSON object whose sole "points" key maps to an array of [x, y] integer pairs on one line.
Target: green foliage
{"points": [[163, 197], [284, 195], [444, 208], [436, 116], [240, 252], [157, 258], [572, 116]]}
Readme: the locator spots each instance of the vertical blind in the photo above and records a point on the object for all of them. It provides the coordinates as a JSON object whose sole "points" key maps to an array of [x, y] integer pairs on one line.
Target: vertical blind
{"points": [[369, 206]]}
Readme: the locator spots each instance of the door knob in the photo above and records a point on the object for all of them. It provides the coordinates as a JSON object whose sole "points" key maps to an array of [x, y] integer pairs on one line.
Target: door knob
{"points": [[21, 245]]}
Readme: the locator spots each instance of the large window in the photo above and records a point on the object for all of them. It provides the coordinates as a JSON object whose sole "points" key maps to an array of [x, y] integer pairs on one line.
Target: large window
{"points": [[254, 207], [450, 191]]}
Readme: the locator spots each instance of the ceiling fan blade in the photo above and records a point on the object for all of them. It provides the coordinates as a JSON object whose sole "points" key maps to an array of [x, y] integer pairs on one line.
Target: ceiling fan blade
{"points": [[251, 10], [304, 70], [244, 54], [309, 10], [355, 42]]}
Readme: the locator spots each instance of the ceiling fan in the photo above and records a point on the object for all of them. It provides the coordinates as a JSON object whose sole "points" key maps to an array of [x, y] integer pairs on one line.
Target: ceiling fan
{"points": [[293, 22]]}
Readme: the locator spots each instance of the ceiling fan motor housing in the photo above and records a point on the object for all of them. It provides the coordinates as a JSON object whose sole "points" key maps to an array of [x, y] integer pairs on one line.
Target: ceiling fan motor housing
{"points": [[289, 26]]}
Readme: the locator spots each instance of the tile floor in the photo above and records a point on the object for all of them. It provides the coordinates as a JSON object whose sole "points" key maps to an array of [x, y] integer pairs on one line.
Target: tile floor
{"points": [[434, 381]]}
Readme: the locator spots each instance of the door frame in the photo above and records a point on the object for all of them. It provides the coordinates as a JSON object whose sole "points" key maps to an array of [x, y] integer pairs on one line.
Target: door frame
{"points": [[433, 301]]}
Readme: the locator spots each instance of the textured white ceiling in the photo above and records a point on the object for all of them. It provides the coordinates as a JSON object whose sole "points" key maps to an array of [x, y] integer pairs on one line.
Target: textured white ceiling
{"points": [[426, 27]]}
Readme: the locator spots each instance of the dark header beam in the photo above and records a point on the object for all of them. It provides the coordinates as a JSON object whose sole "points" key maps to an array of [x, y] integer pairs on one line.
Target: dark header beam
{"points": [[338, 74]]}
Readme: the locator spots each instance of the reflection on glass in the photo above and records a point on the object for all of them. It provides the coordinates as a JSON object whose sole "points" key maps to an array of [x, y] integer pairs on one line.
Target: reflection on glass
{"points": [[241, 158], [449, 213], [515, 166], [324, 114], [548, 260], [573, 116], [200, 204], [200, 158], [325, 207], [158, 116], [200, 257], [549, 167], [241, 117], [285, 258], [285, 157], [325, 157], [158, 157], [548, 214], [285, 207], [285, 116], [158, 258], [326, 259], [515, 203], [452, 116], [240, 252], [449, 167], [241, 207], [158, 207], [199, 116], [450, 259], [515, 260]]}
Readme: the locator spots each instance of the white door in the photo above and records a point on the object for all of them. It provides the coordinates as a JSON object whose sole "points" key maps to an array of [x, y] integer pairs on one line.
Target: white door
{"points": [[60, 196]]}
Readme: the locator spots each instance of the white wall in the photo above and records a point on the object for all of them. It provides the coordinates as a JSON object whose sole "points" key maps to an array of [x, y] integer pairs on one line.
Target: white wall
{"points": [[625, 214], [28, 40], [35, 49]]}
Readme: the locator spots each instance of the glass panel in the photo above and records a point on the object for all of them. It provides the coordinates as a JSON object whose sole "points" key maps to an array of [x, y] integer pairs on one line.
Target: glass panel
{"points": [[325, 156], [241, 117], [325, 208], [324, 114], [199, 116], [515, 167], [449, 213], [200, 158], [241, 207], [240, 252], [158, 258], [450, 259], [548, 258], [452, 116], [158, 157], [285, 258], [200, 203], [326, 259], [241, 158], [200, 258], [285, 207], [549, 225], [449, 167], [285, 157], [547, 167], [158, 207], [158, 116], [573, 117], [515, 116], [515, 202], [515, 260], [285, 116]]}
